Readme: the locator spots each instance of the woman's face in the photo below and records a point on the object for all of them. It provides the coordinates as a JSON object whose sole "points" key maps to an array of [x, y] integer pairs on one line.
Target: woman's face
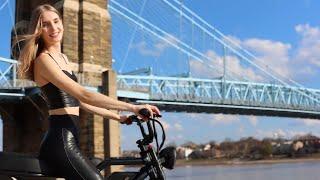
{"points": [[52, 28]]}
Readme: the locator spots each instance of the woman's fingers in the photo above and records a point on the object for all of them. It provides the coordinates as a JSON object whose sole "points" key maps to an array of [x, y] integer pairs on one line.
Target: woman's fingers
{"points": [[155, 110], [152, 110], [124, 119]]}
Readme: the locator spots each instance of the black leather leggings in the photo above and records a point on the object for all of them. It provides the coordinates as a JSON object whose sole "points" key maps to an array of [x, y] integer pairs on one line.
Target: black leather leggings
{"points": [[60, 150]]}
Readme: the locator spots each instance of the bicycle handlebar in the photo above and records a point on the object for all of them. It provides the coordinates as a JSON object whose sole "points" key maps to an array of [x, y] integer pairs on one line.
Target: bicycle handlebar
{"points": [[146, 113], [153, 159]]}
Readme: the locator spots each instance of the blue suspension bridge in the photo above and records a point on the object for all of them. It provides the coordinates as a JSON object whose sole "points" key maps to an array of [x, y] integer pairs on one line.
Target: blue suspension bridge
{"points": [[165, 54]]}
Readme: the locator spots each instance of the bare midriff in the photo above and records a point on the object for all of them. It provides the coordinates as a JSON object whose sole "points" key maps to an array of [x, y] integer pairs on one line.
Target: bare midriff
{"points": [[66, 110]]}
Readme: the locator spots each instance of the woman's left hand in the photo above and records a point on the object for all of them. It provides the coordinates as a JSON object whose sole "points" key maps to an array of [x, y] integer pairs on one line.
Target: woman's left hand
{"points": [[152, 110]]}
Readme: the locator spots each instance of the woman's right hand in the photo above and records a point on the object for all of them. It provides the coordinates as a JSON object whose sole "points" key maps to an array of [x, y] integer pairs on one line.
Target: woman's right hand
{"points": [[125, 119]]}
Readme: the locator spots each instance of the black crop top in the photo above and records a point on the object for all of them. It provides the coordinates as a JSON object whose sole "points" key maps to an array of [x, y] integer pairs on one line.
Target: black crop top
{"points": [[57, 98]]}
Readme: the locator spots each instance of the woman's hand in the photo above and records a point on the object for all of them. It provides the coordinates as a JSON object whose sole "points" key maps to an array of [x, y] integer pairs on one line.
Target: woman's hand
{"points": [[124, 119], [152, 110]]}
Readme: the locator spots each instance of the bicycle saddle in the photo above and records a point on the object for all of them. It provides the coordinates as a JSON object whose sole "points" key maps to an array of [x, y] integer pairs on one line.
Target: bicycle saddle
{"points": [[24, 165]]}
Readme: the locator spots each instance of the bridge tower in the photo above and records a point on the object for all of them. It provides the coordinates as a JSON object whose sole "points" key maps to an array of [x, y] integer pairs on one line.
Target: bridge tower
{"points": [[87, 43]]}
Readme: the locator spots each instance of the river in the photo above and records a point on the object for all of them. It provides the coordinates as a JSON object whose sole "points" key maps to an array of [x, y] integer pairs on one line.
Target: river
{"points": [[283, 171]]}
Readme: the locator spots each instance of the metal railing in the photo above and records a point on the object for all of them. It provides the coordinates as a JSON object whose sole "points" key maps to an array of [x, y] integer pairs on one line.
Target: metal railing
{"points": [[194, 90], [218, 91]]}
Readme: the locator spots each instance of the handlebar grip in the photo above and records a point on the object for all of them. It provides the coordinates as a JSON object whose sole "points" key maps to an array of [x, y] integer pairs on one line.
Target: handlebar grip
{"points": [[128, 121], [145, 113]]}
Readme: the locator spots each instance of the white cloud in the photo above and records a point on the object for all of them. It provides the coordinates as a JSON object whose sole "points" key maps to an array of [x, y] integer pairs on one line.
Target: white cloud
{"points": [[253, 120], [270, 134], [241, 130], [299, 63], [309, 47], [311, 122], [291, 134], [233, 39], [165, 125], [175, 138], [274, 56], [280, 133], [271, 55], [267, 47], [238, 69], [203, 69], [178, 126], [262, 134], [214, 67], [157, 49], [224, 119]]}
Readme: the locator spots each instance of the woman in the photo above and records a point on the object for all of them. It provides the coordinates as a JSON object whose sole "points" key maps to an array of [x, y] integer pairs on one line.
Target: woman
{"points": [[42, 61]]}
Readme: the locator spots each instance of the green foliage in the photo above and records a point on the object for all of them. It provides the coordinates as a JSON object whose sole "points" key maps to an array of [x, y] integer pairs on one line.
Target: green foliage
{"points": [[266, 149]]}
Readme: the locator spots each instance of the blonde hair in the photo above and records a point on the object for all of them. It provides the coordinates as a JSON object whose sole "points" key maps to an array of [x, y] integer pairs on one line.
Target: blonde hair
{"points": [[33, 43]]}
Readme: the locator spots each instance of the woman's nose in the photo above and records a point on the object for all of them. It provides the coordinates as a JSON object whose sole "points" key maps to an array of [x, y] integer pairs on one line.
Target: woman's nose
{"points": [[54, 26]]}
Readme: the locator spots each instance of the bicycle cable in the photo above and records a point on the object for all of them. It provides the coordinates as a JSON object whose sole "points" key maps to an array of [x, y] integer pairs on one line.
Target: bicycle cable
{"points": [[156, 135]]}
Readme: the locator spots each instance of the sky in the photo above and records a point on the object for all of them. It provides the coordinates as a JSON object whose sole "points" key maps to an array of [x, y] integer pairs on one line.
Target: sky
{"points": [[283, 34]]}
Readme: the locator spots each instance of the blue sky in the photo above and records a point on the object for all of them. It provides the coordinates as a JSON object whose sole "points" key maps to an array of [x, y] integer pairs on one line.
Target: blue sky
{"points": [[284, 34]]}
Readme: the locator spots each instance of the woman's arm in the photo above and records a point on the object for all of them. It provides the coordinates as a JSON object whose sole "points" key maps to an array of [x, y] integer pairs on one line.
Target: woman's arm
{"points": [[50, 71], [102, 112]]}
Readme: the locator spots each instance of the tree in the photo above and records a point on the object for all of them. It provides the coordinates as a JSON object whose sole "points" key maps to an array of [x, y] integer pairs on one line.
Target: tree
{"points": [[266, 149]]}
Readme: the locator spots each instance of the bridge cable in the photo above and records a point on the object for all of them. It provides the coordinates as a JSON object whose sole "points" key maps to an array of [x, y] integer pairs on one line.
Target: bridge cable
{"points": [[3, 5], [229, 47], [131, 39], [160, 30], [221, 41], [166, 34], [14, 27], [234, 43]]}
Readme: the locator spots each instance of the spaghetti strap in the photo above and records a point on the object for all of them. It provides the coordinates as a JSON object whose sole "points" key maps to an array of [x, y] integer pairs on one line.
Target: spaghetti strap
{"points": [[54, 60], [65, 60]]}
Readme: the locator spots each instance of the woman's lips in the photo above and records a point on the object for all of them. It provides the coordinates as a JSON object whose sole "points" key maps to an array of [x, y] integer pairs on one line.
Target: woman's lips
{"points": [[54, 35]]}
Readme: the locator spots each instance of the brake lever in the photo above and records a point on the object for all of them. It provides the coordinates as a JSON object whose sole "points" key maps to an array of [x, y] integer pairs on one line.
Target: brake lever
{"points": [[157, 116]]}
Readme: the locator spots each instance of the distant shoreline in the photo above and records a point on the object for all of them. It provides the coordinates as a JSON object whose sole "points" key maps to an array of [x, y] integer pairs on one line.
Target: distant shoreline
{"points": [[208, 162]]}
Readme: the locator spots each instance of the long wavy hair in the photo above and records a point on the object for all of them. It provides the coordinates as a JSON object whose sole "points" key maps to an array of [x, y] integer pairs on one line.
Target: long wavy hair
{"points": [[33, 43]]}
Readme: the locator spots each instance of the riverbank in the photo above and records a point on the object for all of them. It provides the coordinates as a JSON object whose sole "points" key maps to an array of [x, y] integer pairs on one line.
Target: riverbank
{"points": [[213, 162]]}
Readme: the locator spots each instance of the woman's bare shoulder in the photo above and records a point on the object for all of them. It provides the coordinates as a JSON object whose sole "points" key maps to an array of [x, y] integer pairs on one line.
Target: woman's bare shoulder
{"points": [[38, 66], [43, 59], [43, 65]]}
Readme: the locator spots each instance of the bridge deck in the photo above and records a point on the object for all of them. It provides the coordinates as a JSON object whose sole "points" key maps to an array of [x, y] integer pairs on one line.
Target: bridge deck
{"points": [[231, 109]]}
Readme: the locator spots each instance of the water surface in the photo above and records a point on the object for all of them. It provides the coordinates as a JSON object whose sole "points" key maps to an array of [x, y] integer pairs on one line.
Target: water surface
{"points": [[283, 171]]}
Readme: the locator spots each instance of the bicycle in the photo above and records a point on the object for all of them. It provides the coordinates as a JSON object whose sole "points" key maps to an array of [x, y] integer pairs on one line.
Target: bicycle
{"points": [[152, 160]]}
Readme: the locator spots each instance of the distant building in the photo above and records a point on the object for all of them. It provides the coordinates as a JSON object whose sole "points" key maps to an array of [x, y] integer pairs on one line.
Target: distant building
{"points": [[207, 147], [282, 147], [297, 146], [134, 153], [183, 152]]}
